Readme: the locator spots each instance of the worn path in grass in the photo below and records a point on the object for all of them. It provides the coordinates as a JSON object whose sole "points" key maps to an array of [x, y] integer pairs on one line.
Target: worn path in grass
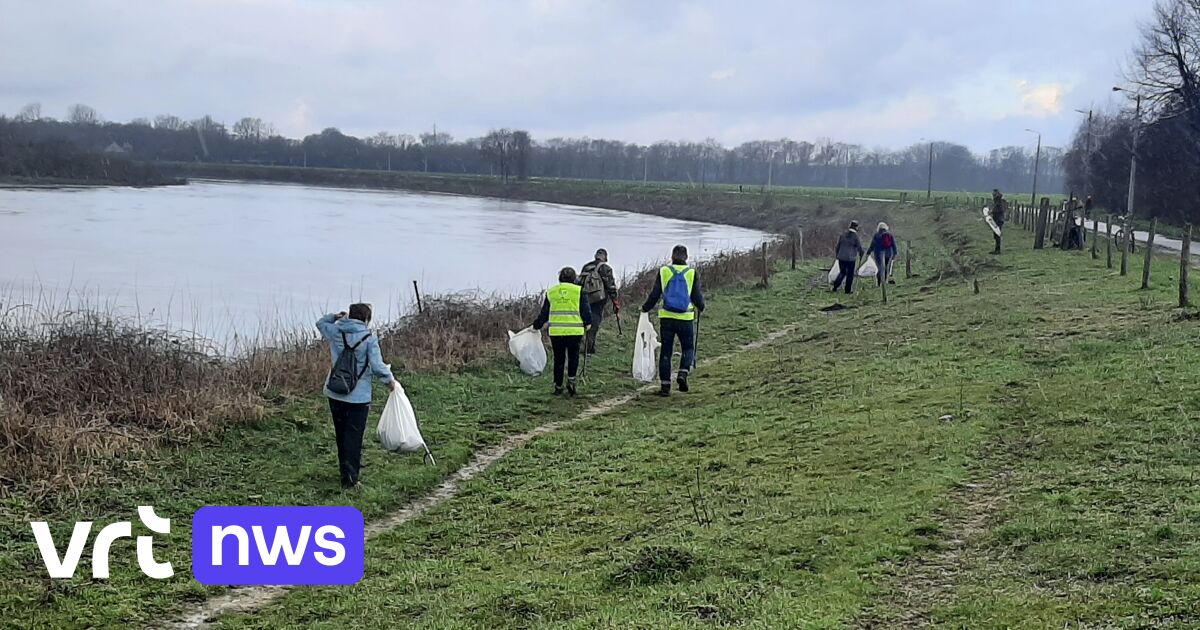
{"points": [[243, 600], [288, 459]]}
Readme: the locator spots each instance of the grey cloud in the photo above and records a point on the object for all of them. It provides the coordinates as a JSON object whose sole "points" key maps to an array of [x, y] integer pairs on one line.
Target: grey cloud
{"points": [[617, 68]]}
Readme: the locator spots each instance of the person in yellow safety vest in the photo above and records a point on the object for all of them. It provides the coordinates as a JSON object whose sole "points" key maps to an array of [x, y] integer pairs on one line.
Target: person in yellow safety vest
{"points": [[567, 312], [679, 288]]}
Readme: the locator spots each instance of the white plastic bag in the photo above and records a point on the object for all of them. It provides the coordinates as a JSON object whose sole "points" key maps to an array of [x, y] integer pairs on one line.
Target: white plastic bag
{"points": [[398, 429], [527, 347], [645, 346], [834, 272], [869, 268]]}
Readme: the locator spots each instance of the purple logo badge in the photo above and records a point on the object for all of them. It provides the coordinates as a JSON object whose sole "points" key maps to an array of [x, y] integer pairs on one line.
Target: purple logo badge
{"points": [[240, 545]]}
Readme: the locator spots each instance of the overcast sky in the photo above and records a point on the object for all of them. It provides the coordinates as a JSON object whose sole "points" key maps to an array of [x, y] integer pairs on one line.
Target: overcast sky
{"points": [[875, 72]]}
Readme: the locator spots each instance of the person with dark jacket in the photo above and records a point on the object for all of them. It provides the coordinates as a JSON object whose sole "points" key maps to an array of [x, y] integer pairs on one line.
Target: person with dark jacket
{"points": [[999, 213], [676, 320], [883, 247], [600, 287], [566, 310], [348, 332], [849, 250]]}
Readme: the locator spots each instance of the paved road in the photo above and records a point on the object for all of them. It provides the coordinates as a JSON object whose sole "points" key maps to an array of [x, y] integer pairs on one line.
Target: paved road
{"points": [[1161, 242]]}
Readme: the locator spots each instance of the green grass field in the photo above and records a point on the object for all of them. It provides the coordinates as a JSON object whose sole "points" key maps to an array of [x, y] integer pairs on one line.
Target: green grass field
{"points": [[1020, 457]]}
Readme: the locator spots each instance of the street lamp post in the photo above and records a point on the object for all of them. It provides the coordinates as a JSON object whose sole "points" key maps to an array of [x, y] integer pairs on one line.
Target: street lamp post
{"points": [[1087, 153], [929, 189], [770, 168], [1037, 160], [1127, 224]]}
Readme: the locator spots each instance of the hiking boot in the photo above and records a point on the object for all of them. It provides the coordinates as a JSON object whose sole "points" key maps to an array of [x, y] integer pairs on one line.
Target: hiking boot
{"points": [[571, 389], [558, 390], [665, 391], [682, 381]]}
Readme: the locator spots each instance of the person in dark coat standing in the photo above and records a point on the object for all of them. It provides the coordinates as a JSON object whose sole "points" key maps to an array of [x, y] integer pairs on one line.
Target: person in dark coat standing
{"points": [[849, 250], [600, 288], [999, 213]]}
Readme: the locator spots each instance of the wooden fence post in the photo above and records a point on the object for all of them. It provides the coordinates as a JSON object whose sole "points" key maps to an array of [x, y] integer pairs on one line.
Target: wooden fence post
{"points": [[801, 245], [417, 292], [1108, 242], [1126, 241], [1095, 235], [907, 259], [1149, 254], [1185, 265], [794, 252], [1039, 242]]}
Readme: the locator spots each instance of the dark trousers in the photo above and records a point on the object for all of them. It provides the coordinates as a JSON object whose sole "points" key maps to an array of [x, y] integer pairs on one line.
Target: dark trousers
{"points": [[999, 238], [686, 332], [566, 353], [845, 273], [597, 317], [349, 424]]}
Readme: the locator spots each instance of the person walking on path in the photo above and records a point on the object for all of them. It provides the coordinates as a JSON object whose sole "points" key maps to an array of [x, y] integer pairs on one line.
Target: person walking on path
{"points": [[849, 250], [999, 213], [349, 384], [883, 247], [678, 286], [600, 287], [567, 312]]}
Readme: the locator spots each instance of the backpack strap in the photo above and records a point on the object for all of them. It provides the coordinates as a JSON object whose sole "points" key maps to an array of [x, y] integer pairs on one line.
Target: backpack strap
{"points": [[351, 348]]}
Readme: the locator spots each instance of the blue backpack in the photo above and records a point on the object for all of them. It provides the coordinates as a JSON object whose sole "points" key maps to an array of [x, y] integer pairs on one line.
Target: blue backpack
{"points": [[676, 297]]}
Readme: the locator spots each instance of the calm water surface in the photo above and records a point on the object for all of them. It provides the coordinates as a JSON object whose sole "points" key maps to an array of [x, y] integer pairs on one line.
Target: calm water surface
{"points": [[225, 259]]}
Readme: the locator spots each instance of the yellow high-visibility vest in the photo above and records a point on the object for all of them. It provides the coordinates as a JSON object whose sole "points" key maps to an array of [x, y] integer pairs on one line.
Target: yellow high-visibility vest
{"points": [[565, 319], [665, 275]]}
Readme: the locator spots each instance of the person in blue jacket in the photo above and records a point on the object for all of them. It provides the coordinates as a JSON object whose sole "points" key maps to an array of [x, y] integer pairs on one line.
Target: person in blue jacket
{"points": [[883, 247], [350, 410]]}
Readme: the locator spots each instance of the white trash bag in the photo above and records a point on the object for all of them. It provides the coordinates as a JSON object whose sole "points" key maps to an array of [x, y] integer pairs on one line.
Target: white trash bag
{"points": [[398, 429], [527, 347], [834, 272], [869, 268], [645, 345]]}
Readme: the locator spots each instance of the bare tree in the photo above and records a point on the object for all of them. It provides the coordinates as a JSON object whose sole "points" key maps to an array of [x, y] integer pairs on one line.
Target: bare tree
{"points": [[1166, 63], [249, 128], [81, 114], [30, 113], [382, 139], [167, 121]]}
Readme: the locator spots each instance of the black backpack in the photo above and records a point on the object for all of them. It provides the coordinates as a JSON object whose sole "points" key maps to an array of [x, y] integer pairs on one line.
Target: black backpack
{"points": [[345, 373]]}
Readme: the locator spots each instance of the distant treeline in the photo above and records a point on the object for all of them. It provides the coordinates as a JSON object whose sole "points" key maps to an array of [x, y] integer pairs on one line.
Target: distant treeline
{"points": [[512, 153], [28, 158]]}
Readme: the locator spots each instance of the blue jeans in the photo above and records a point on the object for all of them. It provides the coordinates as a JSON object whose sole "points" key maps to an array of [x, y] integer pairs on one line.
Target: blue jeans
{"points": [[686, 331]]}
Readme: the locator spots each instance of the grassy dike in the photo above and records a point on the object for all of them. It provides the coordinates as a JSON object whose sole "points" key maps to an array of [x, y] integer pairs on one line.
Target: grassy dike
{"points": [[288, 459], [818, 482], [807, 483]]}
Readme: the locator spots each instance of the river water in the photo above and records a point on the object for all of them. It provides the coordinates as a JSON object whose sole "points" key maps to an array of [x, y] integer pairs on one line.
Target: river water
{"points": [[238, 261]]}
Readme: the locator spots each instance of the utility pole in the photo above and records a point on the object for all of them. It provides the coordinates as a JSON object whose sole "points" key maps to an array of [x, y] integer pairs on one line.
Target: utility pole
{"points": [[929, 189], [1127, 224], [1137, 131], [1037, 160], [645, 167], [770, 169]]}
